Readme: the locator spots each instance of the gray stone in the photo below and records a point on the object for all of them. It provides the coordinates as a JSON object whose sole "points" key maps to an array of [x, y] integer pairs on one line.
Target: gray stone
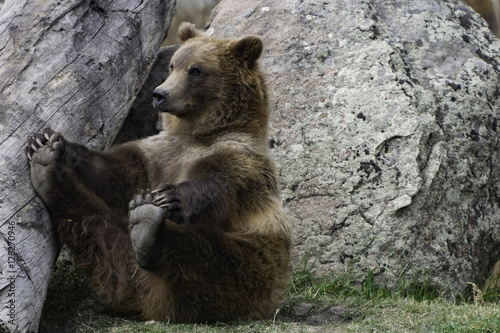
{"points": [[385, 131], [194, 11]]}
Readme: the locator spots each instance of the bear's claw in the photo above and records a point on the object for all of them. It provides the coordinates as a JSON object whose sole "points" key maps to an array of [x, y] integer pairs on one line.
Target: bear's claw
{"points": [[167, 196], [49, 139]]}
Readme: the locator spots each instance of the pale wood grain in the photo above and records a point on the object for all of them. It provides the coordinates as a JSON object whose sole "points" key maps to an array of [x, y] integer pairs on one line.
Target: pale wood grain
{"points": [[75, 66]]}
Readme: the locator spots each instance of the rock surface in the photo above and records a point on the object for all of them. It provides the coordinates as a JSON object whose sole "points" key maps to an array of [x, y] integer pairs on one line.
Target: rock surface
{"points": [[194, 11], [385, 132]]}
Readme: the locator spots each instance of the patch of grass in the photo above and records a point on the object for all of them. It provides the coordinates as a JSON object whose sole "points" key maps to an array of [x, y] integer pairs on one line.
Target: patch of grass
{"points": [[418, 287], [305, 286], [411, 305], [68, 293], [69, 296], [398, 314], [108, 325]]}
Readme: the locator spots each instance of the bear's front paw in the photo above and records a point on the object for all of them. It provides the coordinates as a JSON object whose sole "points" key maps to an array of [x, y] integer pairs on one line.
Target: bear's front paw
{"points": [[42, 151], [168, 197], [145, 219]]}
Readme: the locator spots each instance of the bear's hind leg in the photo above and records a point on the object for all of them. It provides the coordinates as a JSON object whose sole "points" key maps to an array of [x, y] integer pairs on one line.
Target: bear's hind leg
{"points": [[57, 184], [97, 235], [216, 276]]}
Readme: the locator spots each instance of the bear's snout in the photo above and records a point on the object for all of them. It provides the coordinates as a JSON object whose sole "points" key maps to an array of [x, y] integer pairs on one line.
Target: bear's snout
{"points": [[159, 97]]}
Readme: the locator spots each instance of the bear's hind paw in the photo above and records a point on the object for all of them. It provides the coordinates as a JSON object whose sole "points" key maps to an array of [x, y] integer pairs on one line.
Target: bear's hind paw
{"points": [[42, 151], [43, 147], [145, 219]]}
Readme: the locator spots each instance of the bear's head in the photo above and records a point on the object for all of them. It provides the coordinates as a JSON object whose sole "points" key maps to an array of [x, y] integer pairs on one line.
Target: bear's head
{"points": [[214, 86]]}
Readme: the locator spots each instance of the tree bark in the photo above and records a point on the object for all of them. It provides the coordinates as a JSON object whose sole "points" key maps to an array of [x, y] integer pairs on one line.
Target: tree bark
{"points": [[75, 66]]}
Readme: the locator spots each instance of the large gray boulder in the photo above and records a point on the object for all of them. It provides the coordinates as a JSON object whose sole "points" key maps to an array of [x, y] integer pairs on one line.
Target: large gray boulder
{"points": [[385, 131]]}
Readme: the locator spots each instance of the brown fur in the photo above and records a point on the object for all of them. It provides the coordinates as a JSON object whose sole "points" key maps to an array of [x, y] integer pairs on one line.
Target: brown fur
{"points": [[224, 255], [490, 11]]}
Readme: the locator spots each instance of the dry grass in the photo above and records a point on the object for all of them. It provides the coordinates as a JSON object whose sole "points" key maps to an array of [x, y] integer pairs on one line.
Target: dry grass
{"points": [[364, 307]]}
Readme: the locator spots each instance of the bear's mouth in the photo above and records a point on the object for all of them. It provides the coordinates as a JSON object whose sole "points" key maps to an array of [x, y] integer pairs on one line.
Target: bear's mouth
{"points": [[163, 107], [163, 104], [171, 110], [162, 110]]}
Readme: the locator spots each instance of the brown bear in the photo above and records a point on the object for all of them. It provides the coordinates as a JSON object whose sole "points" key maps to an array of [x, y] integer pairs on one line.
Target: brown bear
{"points": [[211, 241]]}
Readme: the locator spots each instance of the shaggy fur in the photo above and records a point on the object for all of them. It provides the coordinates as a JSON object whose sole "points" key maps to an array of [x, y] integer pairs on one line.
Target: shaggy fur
{"points": [[220, 251]]}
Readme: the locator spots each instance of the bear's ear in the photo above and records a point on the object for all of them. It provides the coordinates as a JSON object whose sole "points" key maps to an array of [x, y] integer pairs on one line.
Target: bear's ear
{"points": [[248, 49], [187, 31]]}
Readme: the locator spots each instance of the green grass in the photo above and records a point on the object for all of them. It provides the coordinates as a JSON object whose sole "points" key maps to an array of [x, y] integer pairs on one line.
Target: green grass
{"points": [[306, 287], [365, 306]]}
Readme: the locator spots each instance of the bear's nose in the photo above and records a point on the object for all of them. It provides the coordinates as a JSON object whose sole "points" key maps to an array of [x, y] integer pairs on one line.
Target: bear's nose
{"points": [[159, 96]]}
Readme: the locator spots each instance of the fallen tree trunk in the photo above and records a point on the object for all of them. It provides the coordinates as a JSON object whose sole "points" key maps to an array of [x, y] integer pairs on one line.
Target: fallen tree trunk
{"points": [[75, 66]]}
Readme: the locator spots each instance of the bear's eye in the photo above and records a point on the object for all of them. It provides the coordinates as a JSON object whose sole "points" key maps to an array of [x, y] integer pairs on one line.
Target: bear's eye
{"points": [[195, 71], [171, 68]]}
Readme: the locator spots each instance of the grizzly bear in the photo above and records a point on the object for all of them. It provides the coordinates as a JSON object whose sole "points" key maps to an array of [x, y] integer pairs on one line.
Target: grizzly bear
{"points": [[210, 241]]}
